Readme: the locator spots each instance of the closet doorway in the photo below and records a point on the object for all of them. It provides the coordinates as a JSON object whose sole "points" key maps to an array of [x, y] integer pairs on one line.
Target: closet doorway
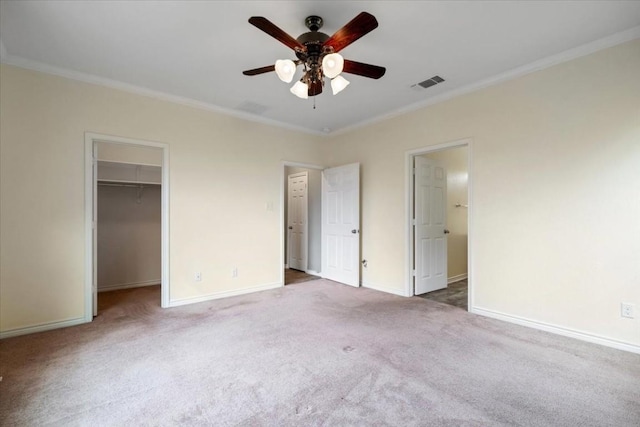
{"points": [[127, 216], [302, 216]]}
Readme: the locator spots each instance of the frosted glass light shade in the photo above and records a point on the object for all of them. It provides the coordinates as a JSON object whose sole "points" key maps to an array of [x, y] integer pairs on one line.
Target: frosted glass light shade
{"points": [[285, 69], [300, 90], [338, 84], [332, 65]]}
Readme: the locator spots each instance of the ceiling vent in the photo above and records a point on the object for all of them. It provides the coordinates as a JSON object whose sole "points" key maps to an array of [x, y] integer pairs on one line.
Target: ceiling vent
{"points": [[252, 107], [427, 83]]}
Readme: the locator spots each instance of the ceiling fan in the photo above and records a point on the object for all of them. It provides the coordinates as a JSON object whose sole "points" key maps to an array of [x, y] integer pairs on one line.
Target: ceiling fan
{"points": [[318, 54]]}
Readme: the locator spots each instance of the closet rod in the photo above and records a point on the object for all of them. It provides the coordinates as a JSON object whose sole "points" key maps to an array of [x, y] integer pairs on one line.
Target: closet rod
{"points": [[112, 184]]}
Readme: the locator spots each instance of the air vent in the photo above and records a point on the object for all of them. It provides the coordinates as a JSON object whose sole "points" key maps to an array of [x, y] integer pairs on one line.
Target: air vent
{"points": [[252, 107], [428, 83]]}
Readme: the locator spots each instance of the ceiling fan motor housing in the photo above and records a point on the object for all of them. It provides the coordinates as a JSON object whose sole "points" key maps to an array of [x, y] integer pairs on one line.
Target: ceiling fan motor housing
{"points": [[313, 42]]}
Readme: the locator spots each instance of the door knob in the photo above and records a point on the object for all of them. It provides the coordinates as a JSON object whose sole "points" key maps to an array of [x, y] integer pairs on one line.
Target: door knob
{"points": [[446, 231], [290, 228], [354, 231]]}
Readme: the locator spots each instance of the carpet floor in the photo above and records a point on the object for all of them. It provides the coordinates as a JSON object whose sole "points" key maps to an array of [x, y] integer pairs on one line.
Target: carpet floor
{"points": [[315, 354]]}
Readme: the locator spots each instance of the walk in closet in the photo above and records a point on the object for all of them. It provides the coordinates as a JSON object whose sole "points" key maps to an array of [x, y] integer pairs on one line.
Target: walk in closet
{"points": [[129, 225]]}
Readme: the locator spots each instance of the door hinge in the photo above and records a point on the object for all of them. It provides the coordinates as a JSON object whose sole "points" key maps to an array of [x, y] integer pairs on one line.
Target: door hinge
{"points": [[93, 225], [413, 273], [413, 221], [414, 171]]}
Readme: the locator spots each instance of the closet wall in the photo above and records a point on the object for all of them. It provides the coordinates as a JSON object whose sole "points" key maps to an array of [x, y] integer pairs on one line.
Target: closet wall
{"points": [[129, 213]]}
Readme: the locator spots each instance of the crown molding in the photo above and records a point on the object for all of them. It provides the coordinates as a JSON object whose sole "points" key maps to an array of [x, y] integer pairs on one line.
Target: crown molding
{"points": [[567, 55], [20, 62]]}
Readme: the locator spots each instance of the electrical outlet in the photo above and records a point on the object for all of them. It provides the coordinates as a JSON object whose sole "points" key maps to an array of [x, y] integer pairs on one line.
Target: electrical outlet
{"points": [[627, 310], [234, 273], [197, 277]]}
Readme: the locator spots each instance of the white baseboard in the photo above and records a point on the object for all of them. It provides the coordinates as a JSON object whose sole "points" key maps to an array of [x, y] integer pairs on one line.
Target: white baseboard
{"points": [[223, 294], [375, 287], [457, 278], [559, 330], [313, 273], [128, 285], [41, 328]]}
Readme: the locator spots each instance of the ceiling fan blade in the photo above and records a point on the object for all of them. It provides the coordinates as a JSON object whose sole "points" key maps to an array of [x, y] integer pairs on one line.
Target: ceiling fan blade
{"points": [[261, 70], [361, 69], [356, 28], [270, 28], [315, 88]]}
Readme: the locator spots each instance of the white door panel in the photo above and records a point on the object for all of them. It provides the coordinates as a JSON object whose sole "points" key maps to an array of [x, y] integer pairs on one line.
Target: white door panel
{"points": [[341, 224], [430, 240], [297, 226]]}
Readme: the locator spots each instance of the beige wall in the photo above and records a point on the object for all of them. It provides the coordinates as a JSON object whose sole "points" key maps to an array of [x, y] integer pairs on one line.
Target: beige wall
{"points": [[555, 218], [454, 161], [223, 172], [555, 183]]}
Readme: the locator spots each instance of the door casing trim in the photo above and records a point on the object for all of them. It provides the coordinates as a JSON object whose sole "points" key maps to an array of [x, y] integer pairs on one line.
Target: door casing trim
{"points": [[90, 139]]}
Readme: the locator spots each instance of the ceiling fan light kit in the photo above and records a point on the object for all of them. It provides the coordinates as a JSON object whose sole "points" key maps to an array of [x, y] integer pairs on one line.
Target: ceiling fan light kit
{"points": [[332, 65], [338, 84], [285, 69], [300, 90], [318, 55]]}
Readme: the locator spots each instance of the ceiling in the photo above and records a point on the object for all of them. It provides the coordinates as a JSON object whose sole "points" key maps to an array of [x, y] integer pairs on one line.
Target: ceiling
{"points": [[195, 51]]}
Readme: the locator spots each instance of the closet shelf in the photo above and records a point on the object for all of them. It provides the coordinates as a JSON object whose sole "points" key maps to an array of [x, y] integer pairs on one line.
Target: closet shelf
{"points": [[129, 173]]}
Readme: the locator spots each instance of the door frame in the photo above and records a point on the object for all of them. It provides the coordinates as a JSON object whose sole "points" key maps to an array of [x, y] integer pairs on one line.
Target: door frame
{"points": [[283, 180], [90, 139], [409, 206]]}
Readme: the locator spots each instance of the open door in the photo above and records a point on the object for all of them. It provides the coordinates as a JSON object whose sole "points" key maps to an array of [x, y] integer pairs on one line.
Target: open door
{"points": [[297, 220], [430, 233], [341, 224]]}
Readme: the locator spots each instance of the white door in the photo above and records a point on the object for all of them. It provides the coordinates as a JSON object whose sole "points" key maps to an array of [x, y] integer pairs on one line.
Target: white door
{"points": [[430, 234], [94, 278], [297, 223], [341, 224]]}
